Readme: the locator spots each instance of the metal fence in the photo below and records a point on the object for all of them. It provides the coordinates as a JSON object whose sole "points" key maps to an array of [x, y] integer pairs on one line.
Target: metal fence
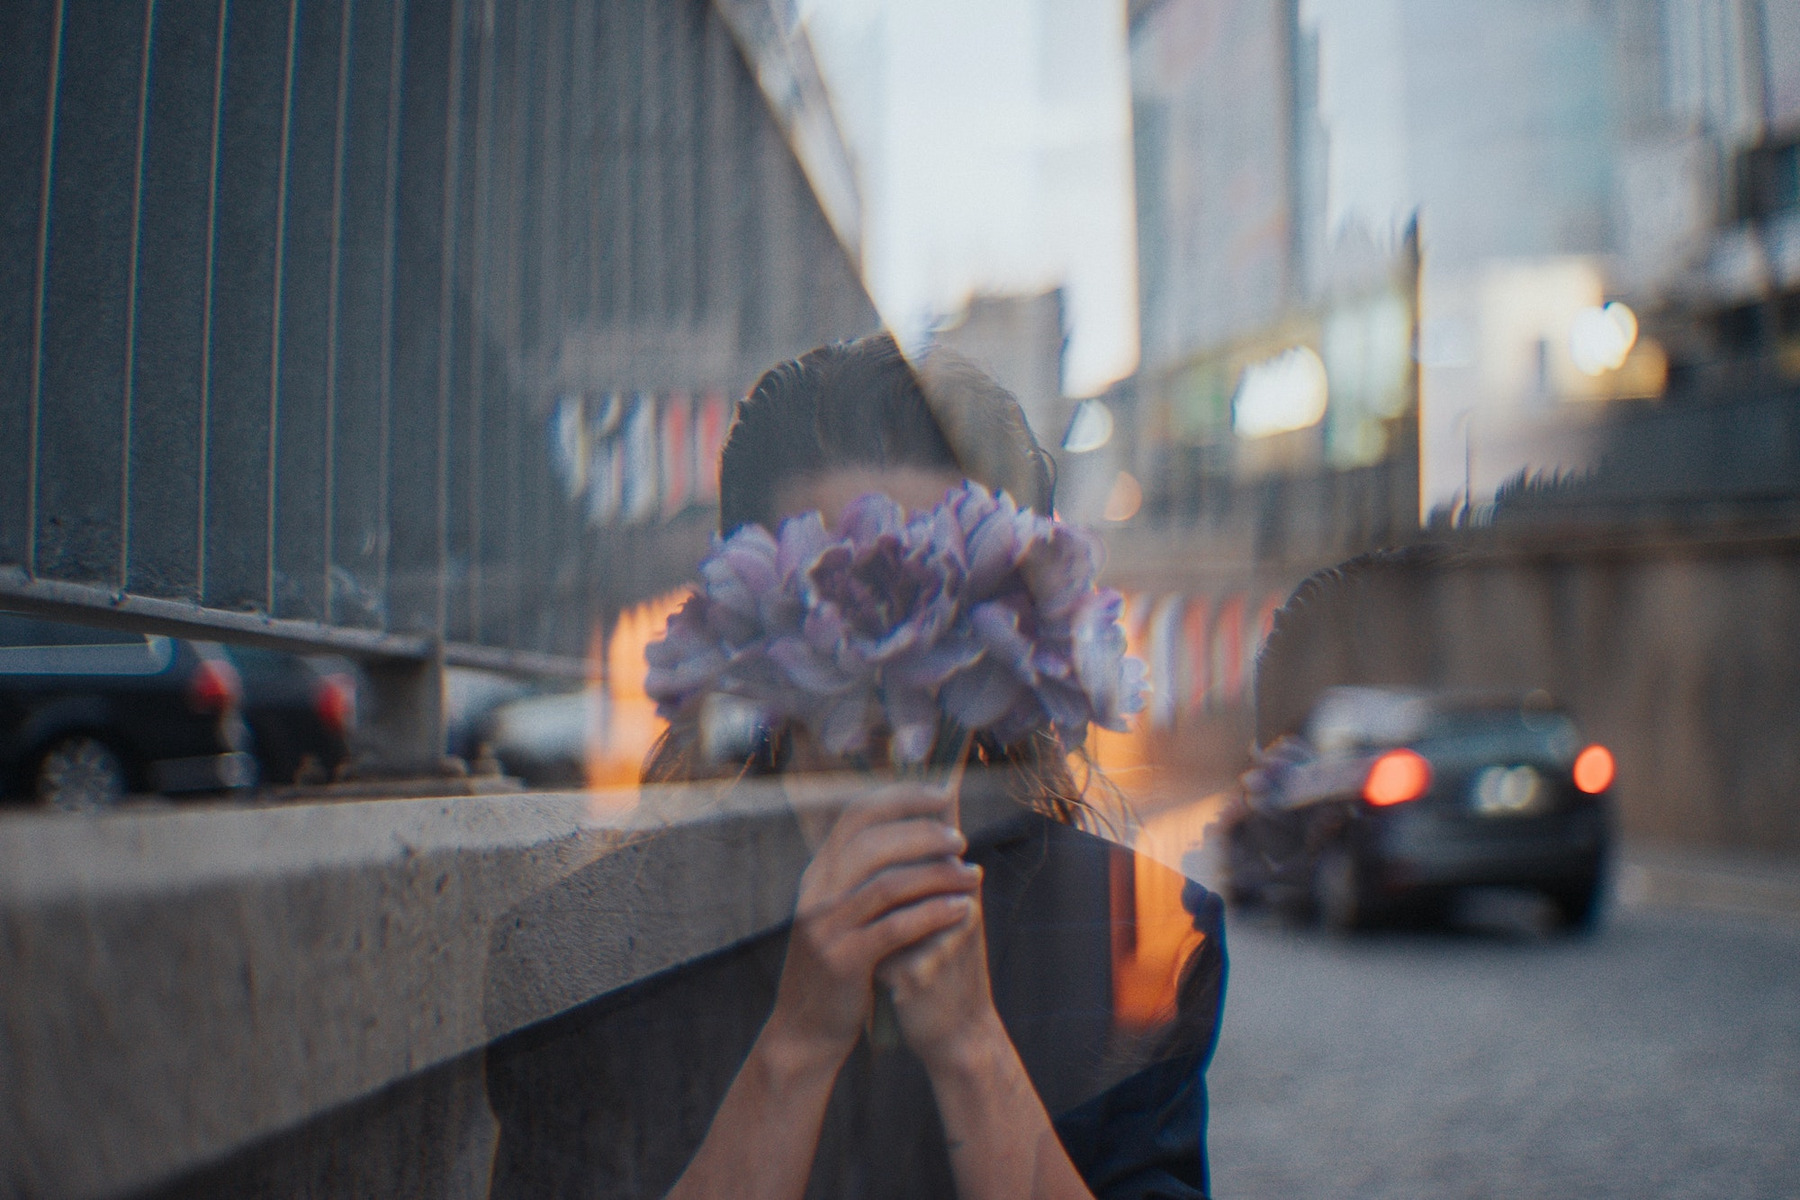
{"points": [[296, 299]]}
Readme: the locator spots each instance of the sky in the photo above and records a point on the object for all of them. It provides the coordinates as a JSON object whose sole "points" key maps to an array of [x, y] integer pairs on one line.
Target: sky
{"points": [[993, 144]]}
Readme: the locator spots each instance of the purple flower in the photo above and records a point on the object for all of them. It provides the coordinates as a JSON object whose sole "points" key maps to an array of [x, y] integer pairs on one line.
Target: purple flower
{"points": [[976, 615]]}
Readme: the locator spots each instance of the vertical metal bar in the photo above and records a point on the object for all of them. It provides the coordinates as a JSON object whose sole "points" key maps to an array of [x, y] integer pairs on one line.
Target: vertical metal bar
{"points": [[206, 304], [396, 57], [334, 264], [446, 302], [552, 115], [596, 163], [281, 199], [478, 224], [522, 82], [131, 302], [37, 308]]}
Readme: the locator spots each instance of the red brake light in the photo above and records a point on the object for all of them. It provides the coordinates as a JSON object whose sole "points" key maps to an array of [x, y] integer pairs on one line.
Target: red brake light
{"points": [[1594, 769], [336, 703], [215, 686], [1396, 777]]}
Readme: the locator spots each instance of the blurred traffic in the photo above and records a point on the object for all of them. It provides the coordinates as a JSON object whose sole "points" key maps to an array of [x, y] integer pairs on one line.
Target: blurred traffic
{"points": [[1392, 800]]}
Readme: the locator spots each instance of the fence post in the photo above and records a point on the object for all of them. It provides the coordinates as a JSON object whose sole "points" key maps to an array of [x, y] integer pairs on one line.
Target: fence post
{"points": [[404, 728]]}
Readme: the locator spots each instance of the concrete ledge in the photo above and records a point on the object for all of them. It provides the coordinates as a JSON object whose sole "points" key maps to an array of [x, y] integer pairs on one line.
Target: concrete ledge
{"points": [[1715, 880], [180, 983]]}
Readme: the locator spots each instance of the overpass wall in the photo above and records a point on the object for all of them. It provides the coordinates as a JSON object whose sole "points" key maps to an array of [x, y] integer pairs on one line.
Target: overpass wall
{"points": [[1681, 652]]}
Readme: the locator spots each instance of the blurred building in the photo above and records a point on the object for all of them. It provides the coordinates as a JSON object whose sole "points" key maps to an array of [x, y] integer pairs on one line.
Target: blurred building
{"points": [[1598, 195], [1020, 341], [1275, 352], [1401, 255]]}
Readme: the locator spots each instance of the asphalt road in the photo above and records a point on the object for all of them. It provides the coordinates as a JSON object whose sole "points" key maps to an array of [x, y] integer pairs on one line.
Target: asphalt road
{"points": [[1658, 1058]]}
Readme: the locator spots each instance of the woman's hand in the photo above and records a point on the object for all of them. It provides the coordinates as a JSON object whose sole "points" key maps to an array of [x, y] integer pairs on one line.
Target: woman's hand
{"points": [[887, 876], [1002, 1145], [942, 995]]}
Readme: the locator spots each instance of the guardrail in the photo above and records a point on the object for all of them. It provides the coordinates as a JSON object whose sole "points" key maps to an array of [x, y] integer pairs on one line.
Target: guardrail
{"points": [[297, 302]]}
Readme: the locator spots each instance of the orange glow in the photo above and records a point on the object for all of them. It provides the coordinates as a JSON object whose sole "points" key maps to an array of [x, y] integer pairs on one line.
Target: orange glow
{"points": [[626, 724], [1594, 769], [1122, 754], [1152, 937], [1396, 777], [1126, 497]]}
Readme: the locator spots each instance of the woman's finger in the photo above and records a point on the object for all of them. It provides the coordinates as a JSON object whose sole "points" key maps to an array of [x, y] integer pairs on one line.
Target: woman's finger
{"points": [[894, 802], [908, 964], [891, 844], [904, 926], [898, 887]]}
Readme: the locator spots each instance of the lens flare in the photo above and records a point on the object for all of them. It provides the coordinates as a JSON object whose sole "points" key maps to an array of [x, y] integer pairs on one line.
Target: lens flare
{"points": [[1594, 769], [1396, 777]]}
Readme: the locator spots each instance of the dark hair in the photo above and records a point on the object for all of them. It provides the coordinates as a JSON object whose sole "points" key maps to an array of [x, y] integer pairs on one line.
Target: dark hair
{"points": [[862, 404], [1348, 624]]}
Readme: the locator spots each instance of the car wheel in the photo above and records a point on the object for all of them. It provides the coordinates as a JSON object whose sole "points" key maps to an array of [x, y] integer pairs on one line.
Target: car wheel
{"points": [[80, 774], [1576, 907], [1339, 896]]}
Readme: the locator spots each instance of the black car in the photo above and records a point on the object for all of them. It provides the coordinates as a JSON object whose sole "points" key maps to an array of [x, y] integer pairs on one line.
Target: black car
{"points": [[1392, 800], [301, 713], [88, 715]]}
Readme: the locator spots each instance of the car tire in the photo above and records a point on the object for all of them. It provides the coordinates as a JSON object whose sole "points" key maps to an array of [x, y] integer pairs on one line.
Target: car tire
{"points": [[1575, 908], [1339, 894], [80, 773]]}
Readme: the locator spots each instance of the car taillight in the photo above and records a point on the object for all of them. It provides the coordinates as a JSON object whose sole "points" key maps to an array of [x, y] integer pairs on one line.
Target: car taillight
{"points": [[1594, 769], [335, 703], [215, 686], [1396, 777]]}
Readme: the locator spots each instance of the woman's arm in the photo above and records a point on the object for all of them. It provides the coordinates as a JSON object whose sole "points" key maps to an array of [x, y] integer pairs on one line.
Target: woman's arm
{"points": [[887, 875], [761, 1141], [1001, 1142]]}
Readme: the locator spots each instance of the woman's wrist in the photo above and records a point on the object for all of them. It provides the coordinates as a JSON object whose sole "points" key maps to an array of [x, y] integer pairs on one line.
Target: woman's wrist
{"points": [[794, 1057], [975, 1052]]}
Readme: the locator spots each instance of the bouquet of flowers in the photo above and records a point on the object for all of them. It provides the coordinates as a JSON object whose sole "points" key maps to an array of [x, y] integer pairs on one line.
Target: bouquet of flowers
{"points": [[976, 617]]}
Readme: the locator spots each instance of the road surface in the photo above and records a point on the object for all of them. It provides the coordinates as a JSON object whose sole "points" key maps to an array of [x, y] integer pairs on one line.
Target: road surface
{"points": [[1659, 1058]]}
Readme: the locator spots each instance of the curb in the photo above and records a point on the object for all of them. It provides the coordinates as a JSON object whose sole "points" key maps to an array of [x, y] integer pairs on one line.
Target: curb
{"points": [[1709, 881]]}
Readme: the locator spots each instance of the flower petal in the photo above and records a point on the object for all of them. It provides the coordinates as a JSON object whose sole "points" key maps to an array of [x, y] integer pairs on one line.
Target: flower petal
{"points": [[981, 695], [847, 724], [810, 671]]}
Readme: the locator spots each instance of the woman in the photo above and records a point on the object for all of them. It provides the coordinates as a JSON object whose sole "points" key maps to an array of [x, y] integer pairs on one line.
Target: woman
{"points": [[994, 940], [888, 899]]}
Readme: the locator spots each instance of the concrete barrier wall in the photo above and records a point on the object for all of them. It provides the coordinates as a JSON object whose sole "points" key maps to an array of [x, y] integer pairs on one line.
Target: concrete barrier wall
{"points": [[441, 997], [180, 984], [1681, 655]]}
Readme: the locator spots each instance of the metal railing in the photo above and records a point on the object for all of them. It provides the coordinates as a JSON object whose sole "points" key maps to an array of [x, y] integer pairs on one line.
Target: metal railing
{"points": [[291, 297]]}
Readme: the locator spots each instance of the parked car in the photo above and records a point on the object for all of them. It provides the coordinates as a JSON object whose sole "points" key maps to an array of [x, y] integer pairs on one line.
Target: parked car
{"points": [[543, 738], [88, 715], [1392, 800], [301, 713]]}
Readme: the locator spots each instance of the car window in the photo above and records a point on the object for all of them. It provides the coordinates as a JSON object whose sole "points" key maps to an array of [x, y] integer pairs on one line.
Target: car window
{"points": [[17, 629], [1501, 736], [33, 646]]}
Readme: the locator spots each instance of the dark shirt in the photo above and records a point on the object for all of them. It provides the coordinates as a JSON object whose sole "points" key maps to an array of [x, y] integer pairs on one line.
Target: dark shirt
{"points": [[614, 1098]]}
